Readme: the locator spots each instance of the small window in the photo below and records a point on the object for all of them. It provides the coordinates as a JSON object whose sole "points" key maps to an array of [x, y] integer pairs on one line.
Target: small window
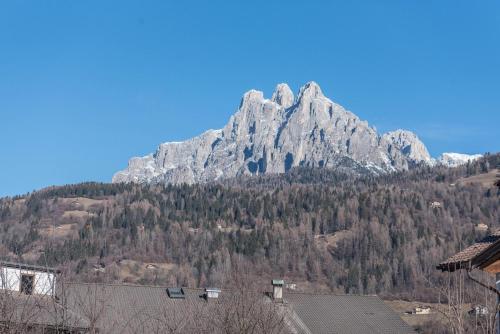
{"points": [[176, 293], [27, 284]]}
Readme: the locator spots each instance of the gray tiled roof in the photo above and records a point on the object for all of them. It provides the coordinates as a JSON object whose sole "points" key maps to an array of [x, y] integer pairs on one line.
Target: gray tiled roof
{"points": [[38, 310], [120, 308], [131, 309], [344, 314]]}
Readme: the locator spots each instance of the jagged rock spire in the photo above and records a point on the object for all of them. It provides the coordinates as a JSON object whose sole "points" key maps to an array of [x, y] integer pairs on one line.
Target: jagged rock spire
{"points": [[251, 95], [310, 90], [283, 95]]}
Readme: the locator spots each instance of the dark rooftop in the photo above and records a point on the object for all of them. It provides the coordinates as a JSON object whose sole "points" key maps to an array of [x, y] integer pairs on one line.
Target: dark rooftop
{"points": [[344, 314], [131, 308], [38, 310]]}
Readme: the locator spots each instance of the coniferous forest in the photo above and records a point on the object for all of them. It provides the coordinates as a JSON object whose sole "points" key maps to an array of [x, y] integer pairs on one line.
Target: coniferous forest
{"points": [[318, 228]]}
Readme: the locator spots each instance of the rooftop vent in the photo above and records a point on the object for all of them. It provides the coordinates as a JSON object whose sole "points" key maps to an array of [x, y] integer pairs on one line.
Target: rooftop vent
{"points": [[176, 293], [278, 282], [278, 288], [212, 292]]}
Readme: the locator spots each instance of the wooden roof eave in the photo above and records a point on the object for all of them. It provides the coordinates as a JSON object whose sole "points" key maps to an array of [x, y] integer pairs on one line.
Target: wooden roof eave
{"points": [[451, 267], [487, 257], [482, 260]]}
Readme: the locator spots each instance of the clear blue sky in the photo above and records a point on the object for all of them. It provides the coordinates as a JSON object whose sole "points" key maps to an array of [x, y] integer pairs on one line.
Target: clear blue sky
{"points": [[84, 85]]}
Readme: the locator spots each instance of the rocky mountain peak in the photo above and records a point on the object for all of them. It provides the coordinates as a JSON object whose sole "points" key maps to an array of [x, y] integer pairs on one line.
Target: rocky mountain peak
{"points": [[409, 145], [250, 97], [272, 136], [309, 91], [283, 95]]}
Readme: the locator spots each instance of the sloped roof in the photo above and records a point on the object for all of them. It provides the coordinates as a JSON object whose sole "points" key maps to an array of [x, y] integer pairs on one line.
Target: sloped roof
{"points": [[344, 314], [119, 308], [38, 310], [464, 259]]}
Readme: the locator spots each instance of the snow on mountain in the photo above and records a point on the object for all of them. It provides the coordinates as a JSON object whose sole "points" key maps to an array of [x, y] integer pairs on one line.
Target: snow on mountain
{"points": [[274, 135], [456, 159]]}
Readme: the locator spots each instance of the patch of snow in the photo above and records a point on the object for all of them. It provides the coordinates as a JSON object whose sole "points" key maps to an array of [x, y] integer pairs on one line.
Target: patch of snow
{"points": [[452, 159]]}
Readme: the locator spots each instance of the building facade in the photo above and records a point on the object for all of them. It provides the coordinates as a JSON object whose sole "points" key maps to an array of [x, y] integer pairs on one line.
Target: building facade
{"points": [[27, 279]]}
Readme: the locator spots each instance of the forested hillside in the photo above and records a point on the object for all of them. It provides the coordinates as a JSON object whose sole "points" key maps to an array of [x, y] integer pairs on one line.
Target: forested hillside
{"points": [[315, 227]]}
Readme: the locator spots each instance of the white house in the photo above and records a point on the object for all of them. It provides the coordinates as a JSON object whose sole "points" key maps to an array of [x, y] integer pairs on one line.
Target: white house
{"points": [[27, 279], [436, 205], [422, 310]]}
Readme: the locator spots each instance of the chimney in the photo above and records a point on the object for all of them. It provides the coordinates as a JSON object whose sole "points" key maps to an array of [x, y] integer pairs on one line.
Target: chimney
{"points": [[278, 289], [212, 293]]}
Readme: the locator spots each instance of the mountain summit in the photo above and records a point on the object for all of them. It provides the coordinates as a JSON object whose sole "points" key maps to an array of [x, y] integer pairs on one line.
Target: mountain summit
{"points": [[274, 135]]}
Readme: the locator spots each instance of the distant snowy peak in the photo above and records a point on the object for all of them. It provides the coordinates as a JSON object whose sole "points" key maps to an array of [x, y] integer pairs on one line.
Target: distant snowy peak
{"points": [[411, 147], [274, 135], [456, 159]]}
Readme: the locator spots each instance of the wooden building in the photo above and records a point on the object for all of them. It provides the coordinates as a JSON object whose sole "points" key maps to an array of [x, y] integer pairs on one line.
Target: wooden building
{"points": [[484, 255]]}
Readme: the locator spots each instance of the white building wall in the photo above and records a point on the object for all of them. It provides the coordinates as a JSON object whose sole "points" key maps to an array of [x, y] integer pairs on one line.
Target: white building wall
{"points": [[10, 279], [44, 282]]}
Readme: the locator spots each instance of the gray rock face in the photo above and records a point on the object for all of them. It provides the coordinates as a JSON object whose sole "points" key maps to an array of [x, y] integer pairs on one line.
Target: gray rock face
{"points": [[409, 145], [283, 95], [272, 136]]}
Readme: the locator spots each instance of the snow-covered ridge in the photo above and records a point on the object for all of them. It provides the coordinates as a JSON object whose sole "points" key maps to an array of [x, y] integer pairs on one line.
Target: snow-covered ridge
{"points": [[276, 134], [456, 159]]}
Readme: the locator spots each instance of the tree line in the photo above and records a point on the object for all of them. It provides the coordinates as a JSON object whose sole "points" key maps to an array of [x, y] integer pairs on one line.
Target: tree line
{"points": [[341, 232]]}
